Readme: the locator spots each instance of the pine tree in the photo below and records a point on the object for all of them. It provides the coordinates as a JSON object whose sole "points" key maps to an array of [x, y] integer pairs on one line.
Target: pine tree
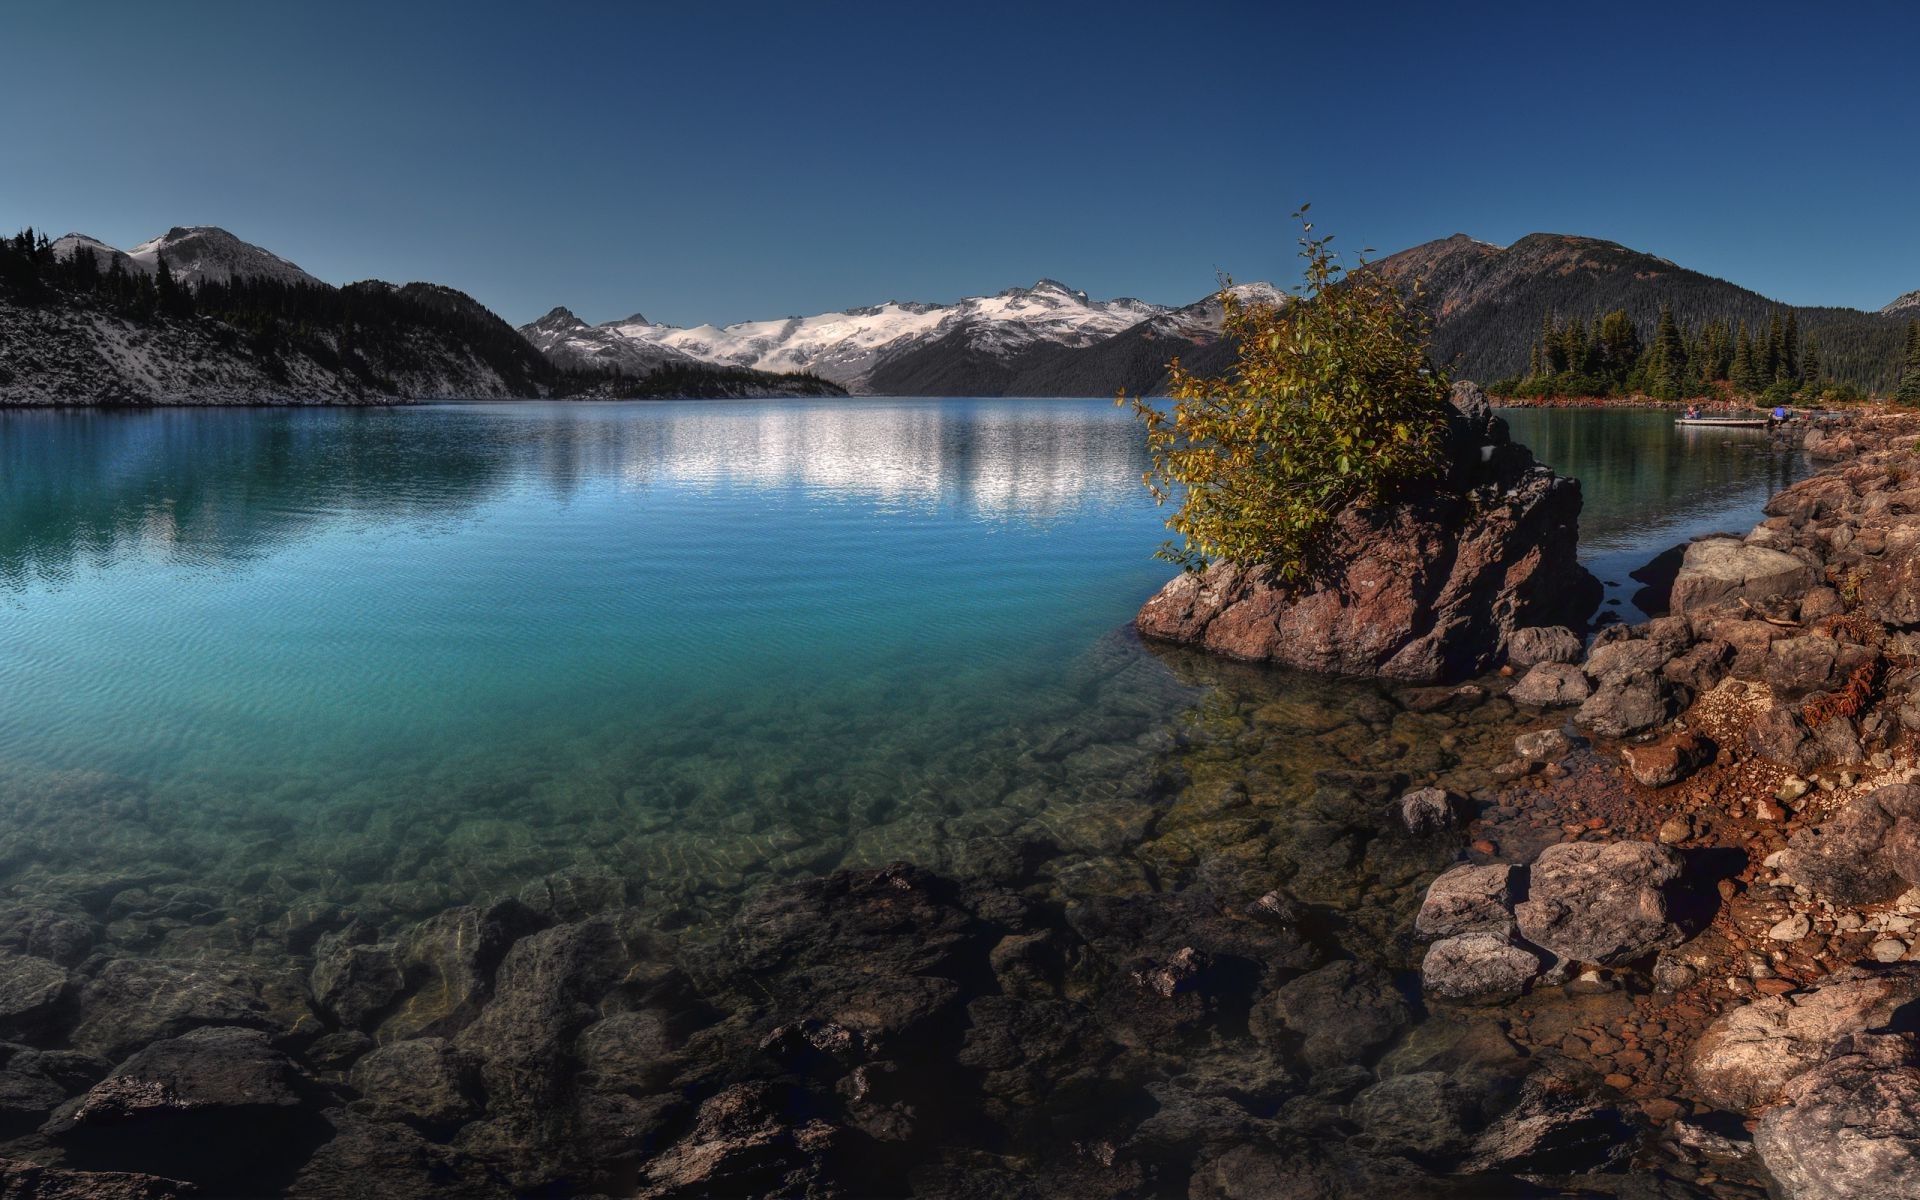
{"points": [[1790, 348], [1669, 367], [166, 294], [1742, 374], [1768, 363], [1909, 389], [1810, 361]]}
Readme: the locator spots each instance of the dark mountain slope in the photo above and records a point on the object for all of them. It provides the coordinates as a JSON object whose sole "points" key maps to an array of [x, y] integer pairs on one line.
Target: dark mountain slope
{"points": [[1488, 301]]}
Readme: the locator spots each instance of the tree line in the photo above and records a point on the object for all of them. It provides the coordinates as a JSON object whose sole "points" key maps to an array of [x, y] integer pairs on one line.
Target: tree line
{"points": [[1607, 356]]}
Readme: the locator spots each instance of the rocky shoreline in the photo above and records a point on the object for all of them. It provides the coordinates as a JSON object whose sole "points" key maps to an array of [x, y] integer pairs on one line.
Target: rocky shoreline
{"points": [[1735, 862]]}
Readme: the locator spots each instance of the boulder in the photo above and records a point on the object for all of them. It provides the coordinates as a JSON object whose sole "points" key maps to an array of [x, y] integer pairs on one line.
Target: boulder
{"points": [[1747, 1055], [1866, 853], [1483, 966], [208, 1106], [1622, 709], [1427, 586], [1342, 1013], [1617, 662], [1780, 736], [1726, 570], [1600, 903], [1467, 899], [1551, 685], [1543, 644], [355, 984], [1849, 1127], [1700, 668], [422, 1081]]}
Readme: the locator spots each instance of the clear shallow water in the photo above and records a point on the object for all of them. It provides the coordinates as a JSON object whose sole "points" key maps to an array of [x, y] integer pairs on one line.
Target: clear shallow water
{"points": [[438, 651], [1649, 486]]}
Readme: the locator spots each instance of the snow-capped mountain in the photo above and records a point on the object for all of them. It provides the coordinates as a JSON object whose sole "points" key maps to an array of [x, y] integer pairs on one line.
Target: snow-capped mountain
{"points": [[195, 254], [205, 254], [570, 342], [1906, 306], [848, 346], [103, 254]]}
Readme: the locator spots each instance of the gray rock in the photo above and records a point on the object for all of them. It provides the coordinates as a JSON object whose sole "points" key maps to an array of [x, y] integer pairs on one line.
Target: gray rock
{"points": [[1484, 966], [448, 963], [1600, 903], [1780, 736], [1622, 709], [1727, 570], [33, 1181], [1850, 1127], [1866, 853], [1747, 1055], [1701, 667], [1543, 644], [1467, 899], [1619, 661], [1551, 685]]}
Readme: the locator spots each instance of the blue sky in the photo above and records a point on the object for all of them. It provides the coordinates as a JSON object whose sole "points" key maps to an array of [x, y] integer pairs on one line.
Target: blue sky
{"points": [[730, 161]]}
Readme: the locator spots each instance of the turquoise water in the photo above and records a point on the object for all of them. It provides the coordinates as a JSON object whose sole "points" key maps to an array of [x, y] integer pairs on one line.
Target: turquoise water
{"points": [[454, 648]]}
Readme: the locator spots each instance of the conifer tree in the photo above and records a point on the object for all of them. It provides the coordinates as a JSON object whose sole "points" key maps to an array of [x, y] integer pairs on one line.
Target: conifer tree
{"points": [[1669, 366], [1790, 348], [1810, 360], [1909, 389], [1742, 373]]}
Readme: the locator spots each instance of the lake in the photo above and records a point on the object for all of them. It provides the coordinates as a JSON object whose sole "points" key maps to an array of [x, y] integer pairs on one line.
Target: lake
{"points": [[451, 649]]}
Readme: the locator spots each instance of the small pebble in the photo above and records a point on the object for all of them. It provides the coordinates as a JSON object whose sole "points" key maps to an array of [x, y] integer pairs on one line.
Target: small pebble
{"points": [[1792, 929]]}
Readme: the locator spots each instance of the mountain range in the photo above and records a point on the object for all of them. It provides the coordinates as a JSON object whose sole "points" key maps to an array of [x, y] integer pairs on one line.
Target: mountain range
{"points": [[1486, 301], [424, 340], [227, 322]]}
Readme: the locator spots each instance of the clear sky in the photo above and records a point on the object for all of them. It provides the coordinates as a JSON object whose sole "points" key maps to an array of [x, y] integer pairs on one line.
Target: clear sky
{"points": [[726, 161]]}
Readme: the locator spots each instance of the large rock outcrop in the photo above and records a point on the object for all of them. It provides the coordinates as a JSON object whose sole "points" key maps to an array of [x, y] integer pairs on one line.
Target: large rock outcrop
{"points": [[1427, 587]]}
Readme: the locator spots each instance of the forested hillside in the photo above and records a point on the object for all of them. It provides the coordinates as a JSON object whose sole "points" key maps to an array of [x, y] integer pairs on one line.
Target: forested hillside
{"points": [[1488, 303], [75, 330]]}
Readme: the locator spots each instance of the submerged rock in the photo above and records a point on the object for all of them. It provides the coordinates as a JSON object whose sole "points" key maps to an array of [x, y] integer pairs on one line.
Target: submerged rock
{"points": [[1426, 587]]}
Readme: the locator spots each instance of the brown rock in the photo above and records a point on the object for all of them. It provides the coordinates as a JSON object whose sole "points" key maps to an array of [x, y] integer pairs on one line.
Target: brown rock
{"points": [[1429, 586], [1668, 760]]}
